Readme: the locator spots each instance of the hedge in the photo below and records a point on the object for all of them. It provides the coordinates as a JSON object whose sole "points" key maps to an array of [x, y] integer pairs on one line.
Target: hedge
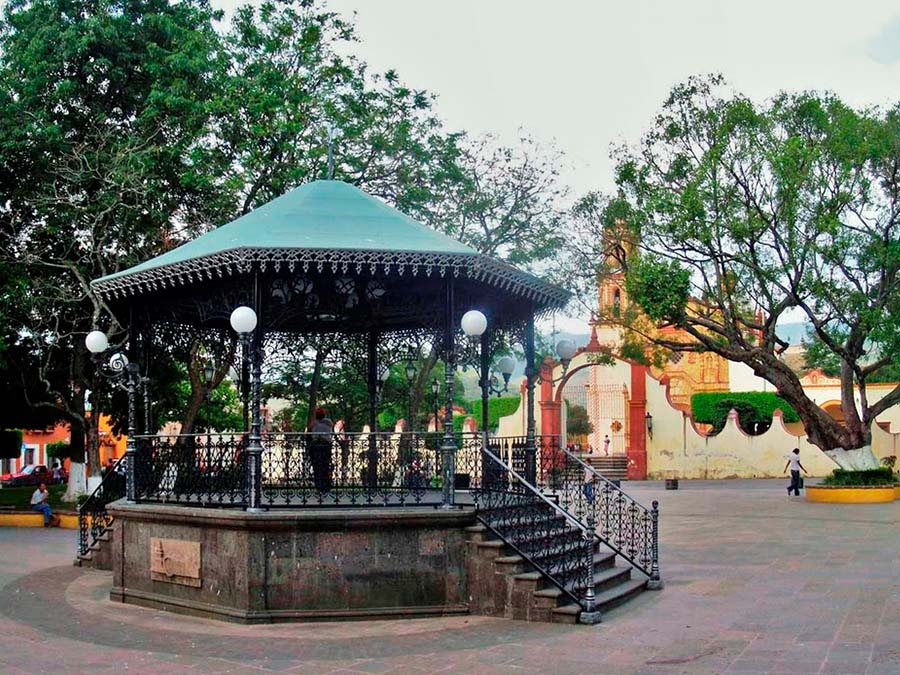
{"points": [[10, 443], [712, 407], [497, 407], [843, 477], [59, 450]]}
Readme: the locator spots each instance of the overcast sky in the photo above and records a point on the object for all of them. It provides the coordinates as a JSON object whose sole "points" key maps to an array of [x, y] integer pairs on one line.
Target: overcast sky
{"points": [[586, 74]]}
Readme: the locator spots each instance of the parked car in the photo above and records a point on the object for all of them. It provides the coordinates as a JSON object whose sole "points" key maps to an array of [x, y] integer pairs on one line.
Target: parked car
{"points": [[32, 474]]}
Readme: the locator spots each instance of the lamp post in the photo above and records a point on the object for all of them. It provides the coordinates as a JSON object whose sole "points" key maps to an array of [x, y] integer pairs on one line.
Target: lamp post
{"points": [[244, 321], [411, 372], [125, 375], [435, 391], [208, 372]]}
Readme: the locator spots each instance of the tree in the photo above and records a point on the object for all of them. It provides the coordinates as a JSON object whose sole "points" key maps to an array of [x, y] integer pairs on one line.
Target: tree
{"points": [[746, 212], [105, 109], [577, 421]]}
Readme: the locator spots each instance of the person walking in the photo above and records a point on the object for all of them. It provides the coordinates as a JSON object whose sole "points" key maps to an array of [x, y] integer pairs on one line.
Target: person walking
{"points": [[40, 499], [794, 462], [606, 445]]}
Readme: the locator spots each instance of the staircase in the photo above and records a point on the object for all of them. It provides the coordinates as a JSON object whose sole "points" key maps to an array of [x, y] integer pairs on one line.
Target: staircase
{"points": [[94, 522], [614, 467], [504, 584], [541, 558]]}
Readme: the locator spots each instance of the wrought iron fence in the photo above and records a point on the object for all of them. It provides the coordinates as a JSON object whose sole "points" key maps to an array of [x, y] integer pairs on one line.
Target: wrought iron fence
{"points": [[538, 529], [93, 518], [618, 520], [303, 469], [194, 469], [350, 469]]}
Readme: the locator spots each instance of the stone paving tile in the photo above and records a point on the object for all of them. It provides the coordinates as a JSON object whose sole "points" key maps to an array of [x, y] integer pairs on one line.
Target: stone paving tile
{"points": [[754, 584]]}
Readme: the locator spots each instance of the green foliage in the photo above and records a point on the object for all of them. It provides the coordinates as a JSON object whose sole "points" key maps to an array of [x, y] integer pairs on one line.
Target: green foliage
{"points": [[660, 287], [577, 421], [59, 450], [842, 477], [20, 497], [749, 212], [755, 409], [889, 461], [498, 407], [10, 443]]}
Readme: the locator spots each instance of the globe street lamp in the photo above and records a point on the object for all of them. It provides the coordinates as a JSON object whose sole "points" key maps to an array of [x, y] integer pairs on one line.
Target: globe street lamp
{"points": [[124, 375], [244, 321]]}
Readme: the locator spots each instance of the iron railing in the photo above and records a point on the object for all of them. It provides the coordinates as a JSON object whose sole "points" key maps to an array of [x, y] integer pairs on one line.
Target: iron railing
{"points": [[93, 518], [618, 520], [303, 469], [538, 529], [194, 469]]}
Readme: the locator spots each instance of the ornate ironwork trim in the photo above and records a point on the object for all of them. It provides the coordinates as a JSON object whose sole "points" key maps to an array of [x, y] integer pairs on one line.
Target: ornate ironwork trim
{"points": [[240, 261]]}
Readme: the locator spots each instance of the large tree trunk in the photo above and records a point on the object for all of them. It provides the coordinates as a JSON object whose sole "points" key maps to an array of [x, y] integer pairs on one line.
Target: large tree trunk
{"points": [[93, 442], [855, 459], [314, 383], [77, 484], [422, 385]]}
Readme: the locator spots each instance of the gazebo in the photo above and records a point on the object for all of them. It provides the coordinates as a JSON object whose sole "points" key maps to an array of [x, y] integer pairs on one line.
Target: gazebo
{"points": [[212, 523]]}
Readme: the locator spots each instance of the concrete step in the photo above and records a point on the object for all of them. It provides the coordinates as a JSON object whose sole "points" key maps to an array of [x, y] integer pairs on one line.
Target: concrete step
{"points": [[606, 601]]}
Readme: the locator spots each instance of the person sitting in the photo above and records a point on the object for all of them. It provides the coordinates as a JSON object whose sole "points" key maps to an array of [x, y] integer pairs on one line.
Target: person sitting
{"points": [[40, 502]]}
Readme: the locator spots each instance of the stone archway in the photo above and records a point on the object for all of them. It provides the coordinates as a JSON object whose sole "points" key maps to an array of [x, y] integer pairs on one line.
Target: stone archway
{"points": [[622, 392]]}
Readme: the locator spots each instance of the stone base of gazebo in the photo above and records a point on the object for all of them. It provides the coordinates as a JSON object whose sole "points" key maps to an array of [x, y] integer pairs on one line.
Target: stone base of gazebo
{"points": [[291, 565]]}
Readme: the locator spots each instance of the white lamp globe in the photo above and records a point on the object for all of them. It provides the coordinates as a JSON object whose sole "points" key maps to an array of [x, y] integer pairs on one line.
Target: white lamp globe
{"points": [[96, 342], [565, 349], [506, 365], [243, 319], [384, 373], [473, 323]]}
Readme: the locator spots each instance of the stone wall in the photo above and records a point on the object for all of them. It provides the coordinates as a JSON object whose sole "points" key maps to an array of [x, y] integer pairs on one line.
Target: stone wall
{"points": [[294, 564]]}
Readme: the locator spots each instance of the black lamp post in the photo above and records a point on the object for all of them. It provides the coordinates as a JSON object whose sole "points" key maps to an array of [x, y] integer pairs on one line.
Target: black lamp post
{"points": [[435, 391], [411, 371], [208, 372]]}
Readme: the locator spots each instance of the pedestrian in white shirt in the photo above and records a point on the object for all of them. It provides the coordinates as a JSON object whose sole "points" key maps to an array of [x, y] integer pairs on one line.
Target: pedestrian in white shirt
{"points": [[796, 466]]}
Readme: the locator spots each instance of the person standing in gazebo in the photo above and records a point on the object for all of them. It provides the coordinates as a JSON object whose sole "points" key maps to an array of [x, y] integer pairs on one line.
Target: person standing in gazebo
{"points": [[320, 450]]}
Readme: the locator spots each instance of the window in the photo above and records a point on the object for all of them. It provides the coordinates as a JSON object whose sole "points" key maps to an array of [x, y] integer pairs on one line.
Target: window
{"points": [[617, 302], [28, 456]]}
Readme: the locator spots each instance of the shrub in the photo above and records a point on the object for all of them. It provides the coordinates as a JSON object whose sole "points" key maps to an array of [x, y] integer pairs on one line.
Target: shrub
{"points": [[890, 461], [842, 477], [59, 450], [755, 409], [497, 408]]}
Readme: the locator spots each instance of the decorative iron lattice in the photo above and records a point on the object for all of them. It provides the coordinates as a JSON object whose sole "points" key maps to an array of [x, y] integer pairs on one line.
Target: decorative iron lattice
{"points": [[93, 518], [224, 264], [619, 521], [537, 529], [193, 469]]}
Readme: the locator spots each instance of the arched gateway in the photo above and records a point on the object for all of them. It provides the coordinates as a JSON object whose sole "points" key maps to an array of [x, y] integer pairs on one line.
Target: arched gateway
{"points": [[266, 526]]}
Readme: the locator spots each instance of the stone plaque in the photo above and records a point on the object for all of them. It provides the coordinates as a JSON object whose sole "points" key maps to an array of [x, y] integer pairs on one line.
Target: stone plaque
{"points": [[175, 561]]}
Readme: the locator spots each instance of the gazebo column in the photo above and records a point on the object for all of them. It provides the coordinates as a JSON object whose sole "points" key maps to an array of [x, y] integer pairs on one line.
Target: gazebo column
{"points": [[372, 383], [132, 381], [254, 445], [485, 384], [448, 446], [531, 375]]}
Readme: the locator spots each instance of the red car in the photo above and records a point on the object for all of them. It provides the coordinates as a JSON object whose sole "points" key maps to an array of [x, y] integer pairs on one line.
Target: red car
{"points": [[33, 474]]}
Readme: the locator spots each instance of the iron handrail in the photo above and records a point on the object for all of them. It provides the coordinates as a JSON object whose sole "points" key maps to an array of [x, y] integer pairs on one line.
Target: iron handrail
{"points": [[110, 488], [588, 601], [650, 564]]}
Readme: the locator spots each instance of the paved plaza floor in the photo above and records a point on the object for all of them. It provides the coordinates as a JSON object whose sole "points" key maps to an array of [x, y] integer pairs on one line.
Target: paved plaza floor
{"points": [[755, 583]]}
